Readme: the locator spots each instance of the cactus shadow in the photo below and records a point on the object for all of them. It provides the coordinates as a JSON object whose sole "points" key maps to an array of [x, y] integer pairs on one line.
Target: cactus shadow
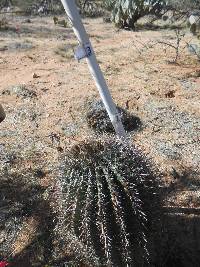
{"points": [[178, 241]]}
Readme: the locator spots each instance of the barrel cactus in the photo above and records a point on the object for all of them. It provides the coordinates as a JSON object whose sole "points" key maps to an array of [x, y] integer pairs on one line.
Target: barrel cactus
{"points": [[104, 191]]}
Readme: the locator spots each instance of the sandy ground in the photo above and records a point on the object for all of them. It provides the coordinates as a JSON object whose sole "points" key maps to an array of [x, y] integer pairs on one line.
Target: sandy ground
{"points": [[44, 91], [138, 71]]}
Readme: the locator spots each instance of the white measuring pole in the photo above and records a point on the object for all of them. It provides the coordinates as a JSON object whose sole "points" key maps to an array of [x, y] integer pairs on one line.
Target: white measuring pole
{"points": [[86, 51]]}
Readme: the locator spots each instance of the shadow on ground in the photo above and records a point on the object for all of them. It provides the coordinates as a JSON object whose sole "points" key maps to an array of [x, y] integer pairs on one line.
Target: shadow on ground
{"points": [[180, 239], [21, 201]]}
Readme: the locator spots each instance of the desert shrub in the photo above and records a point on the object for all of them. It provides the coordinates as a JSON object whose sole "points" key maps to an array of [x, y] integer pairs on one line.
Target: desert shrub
{"points": [[3, 24], [98, 119], [42, 7], [125, 13], [65, 50], [184, 4], [23, 4], [90, 8], [108, 201]]}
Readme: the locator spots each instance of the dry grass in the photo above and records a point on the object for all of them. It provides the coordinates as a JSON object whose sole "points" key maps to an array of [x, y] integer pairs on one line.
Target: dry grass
{"points": [[65, 51]]}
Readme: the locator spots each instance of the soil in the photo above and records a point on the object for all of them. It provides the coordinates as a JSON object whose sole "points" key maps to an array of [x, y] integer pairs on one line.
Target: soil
{"points": [[44, 92]]}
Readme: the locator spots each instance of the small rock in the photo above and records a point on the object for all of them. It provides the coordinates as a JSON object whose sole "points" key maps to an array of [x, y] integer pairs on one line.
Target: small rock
{"points": [[165, 17], [3, 48], [35, 75], [27, 21], [170, 94], [40, 173]]}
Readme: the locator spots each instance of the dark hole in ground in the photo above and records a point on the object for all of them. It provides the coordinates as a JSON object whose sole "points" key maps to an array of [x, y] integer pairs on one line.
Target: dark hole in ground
{"points": [[98, 119]]}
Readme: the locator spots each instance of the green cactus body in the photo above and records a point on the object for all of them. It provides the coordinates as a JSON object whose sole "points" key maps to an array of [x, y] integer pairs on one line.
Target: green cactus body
{"points": [[105, 186]]}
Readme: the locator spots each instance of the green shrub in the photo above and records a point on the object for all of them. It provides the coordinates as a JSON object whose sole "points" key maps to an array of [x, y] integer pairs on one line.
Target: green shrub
{"points": [[23, 4], [184, 4]]}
